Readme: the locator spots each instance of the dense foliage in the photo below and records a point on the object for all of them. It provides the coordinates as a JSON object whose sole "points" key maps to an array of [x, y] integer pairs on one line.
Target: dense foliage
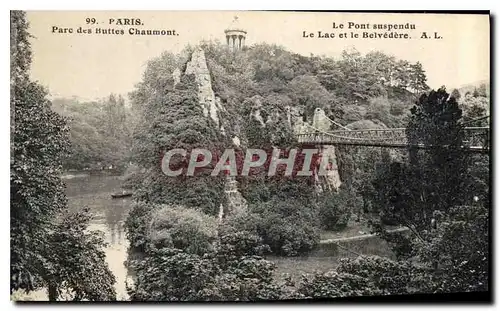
{"points": [[36, 197], [434, 179], [363, 276], [335, 209], [76, 263], [171, 119], [264, 90], [287, 227], [231, 270], [441, 194], [182, 228], [99, 133], [48, 247]]}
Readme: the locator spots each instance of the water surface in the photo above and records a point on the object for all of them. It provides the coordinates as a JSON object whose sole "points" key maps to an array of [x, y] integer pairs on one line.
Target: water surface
{"points": [[109, 217]]}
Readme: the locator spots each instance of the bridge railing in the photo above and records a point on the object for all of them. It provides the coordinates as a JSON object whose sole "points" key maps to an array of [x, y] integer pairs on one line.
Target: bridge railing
{"points": [[361, 137], [474, 137], [477, 137]]}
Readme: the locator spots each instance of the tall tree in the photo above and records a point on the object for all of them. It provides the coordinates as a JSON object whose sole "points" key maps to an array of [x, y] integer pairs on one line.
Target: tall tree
{"points": [[441, 197], [436, 121], [436, 178], [456, 94], [418, 79], [38, 143]]}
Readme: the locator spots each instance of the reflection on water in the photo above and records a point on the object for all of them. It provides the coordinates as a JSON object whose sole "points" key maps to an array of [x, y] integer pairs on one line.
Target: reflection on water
{"points": [[109, 217]]}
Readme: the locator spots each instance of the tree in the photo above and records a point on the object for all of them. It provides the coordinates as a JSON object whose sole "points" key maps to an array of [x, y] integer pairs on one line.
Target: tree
{"points": [[137, 224], [308, 94], [362, 276], [100, 135], [332, 284], [456, 94], [456, 251], [288, 226], [435, 179], [436, 121], [85, 276], [483, 90], [475, 108], [335, 209], [418, 79], [39, 142], [433, 196]]}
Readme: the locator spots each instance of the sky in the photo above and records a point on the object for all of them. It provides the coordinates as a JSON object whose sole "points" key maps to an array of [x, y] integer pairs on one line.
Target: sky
{"points": [[91, 66]]}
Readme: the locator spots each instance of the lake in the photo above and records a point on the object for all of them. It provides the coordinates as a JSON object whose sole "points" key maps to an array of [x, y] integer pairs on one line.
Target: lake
{"points": [[109, 216]]}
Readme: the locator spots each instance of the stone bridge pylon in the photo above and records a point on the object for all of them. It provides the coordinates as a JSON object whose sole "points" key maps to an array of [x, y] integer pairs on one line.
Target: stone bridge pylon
{"points": [[331, 181]]}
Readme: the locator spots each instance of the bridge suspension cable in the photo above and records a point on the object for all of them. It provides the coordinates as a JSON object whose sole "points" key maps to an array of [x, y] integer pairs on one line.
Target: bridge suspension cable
{"points": [[337, 124], [477, 119]]}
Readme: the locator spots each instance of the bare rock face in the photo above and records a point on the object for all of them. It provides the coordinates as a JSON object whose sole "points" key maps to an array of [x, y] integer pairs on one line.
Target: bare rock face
{"points": [[236, 202], [296, 121], [212, 107], [176, 75], [236, 141], [331, 181], [257, 116], [198, 67]]}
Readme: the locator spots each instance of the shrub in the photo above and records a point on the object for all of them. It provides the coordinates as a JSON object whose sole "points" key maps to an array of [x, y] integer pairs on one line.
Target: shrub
{"points": [[187, 229], [172, 275], [288, 227], [136, 225], [363, 276], [78, 262], [334, 285], [133, 177], [457, 251], [231, 272], [335, 208], [238, 237], [386, 276]]}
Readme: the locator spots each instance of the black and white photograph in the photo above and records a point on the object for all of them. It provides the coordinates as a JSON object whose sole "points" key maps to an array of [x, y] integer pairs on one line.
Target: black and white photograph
{"points": [[250, 156]]}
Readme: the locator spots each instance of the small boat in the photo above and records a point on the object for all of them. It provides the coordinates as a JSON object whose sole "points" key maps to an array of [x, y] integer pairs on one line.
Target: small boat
{"points": [[122, 194]]}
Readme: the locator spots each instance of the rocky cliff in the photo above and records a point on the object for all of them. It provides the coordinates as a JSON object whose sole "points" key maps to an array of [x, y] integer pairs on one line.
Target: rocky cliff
{"points": [[212, 108], [211, 104]]}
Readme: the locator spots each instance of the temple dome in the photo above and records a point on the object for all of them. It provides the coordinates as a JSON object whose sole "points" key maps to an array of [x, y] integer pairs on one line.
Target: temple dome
{"points": [[235, 26]]}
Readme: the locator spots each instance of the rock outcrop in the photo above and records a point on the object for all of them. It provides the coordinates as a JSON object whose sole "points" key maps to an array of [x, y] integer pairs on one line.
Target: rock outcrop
{"points": [[236, 202], [210, 104], [176, 75], [212, 107]]}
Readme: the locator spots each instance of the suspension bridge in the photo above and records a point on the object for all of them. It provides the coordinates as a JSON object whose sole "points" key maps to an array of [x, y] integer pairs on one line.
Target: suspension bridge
{"points": [[475, 139]]}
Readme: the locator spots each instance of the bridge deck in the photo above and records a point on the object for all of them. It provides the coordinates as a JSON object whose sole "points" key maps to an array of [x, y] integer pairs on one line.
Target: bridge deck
{"points": [[476, 139]]}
